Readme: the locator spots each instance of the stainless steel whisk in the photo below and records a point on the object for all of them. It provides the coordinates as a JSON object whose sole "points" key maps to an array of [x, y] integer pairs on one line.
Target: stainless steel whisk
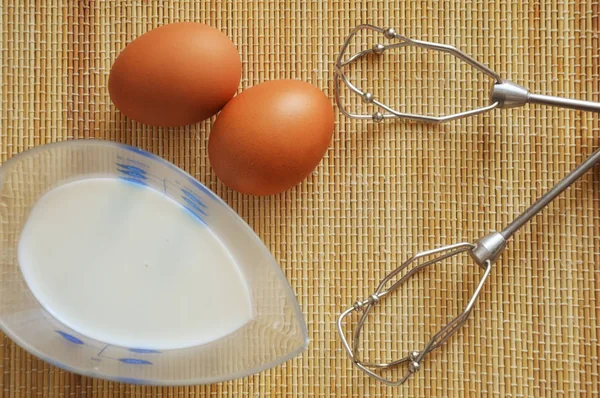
{"points": [[504, 94], [486, 250]]}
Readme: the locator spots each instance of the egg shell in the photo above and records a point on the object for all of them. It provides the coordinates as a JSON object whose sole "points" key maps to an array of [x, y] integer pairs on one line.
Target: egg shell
{"points": [[175, 75], [271, 137]]}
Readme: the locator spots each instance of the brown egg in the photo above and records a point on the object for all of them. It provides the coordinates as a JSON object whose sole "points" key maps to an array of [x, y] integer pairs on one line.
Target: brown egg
{"points": [[175, 75], [271, 136]]}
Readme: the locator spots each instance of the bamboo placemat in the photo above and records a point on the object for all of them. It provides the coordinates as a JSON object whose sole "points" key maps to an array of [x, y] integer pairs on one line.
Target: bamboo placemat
{"points": [[381, 193]]}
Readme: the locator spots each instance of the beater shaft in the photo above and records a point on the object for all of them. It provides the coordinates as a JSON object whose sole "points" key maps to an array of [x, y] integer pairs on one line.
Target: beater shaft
{"points": [[490, 247], [510, 95]]}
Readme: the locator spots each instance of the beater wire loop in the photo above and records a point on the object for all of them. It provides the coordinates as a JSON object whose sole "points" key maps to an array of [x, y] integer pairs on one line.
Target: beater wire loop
{"points": [[503, 94], [414, 358], [384, 110]]}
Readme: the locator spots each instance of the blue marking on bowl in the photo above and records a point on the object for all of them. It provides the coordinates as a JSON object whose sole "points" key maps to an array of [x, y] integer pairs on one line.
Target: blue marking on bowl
{"points": [[193, 205], [193, 197], [130, 380], [143, 351], [133, 169], [69, 337], [204, 189], [133, 174], [194, 214], [138, 150], [135, 361], [134, 181], [191, 179]]}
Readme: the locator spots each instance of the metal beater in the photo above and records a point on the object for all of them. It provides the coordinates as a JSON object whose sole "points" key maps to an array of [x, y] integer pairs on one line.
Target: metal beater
{"points": [[486, 250], [504, 94]]}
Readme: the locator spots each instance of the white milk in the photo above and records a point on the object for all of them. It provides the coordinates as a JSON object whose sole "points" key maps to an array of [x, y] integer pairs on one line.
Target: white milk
{"points": [[126, 265]]}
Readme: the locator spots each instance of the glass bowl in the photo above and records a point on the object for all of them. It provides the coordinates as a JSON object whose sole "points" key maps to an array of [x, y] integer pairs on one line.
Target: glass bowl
{"points": [[276, 333]]}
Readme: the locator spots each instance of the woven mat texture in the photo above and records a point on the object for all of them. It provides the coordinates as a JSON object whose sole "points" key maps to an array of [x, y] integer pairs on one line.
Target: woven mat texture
{"points": [[382, 192]]}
